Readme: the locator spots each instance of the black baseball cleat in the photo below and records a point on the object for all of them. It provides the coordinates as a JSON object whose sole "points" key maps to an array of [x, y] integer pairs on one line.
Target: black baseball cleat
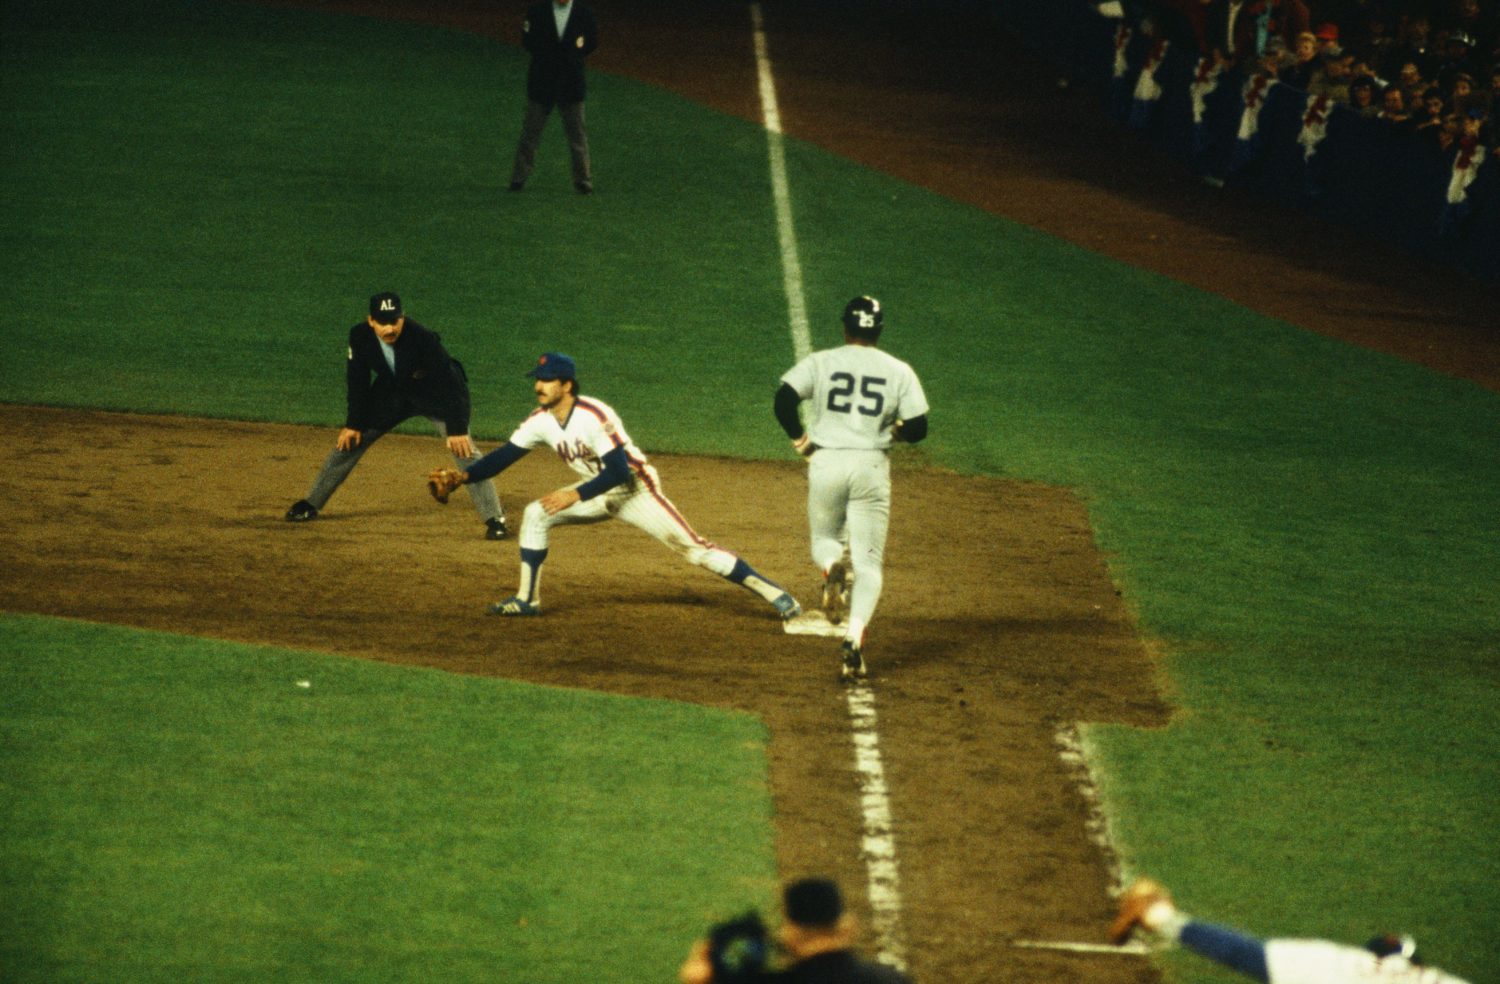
{"points": [[584, 188], [853, 667], [516, 186], [495, 529], [301, 512]]}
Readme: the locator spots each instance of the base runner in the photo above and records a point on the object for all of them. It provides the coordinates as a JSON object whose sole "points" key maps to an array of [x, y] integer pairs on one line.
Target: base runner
{"points": [[618, 483], [859, 400]]}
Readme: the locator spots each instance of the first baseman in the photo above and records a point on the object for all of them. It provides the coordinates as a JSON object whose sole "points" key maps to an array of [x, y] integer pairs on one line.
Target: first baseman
{"points": [[618, 482], [397, 369], [1385, 959], [859, 400]]}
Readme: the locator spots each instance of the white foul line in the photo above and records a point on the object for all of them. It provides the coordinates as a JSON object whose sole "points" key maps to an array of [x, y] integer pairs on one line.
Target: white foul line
{"points": [[791, 266], [878, 844]]}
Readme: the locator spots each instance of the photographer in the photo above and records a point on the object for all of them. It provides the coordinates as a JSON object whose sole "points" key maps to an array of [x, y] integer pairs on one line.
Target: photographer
{"points": [[817, 936]]}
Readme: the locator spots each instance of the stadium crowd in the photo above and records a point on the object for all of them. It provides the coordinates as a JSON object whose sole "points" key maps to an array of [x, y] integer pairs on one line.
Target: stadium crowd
{"points": [[1427, 67]]}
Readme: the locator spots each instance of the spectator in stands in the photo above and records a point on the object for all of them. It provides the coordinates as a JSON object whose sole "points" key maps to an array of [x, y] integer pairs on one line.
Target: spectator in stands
{"points": [[1332, 78], [1327, 35], [1428, 115], [1362, 97], [1375, 39], [1489, 100], [1274, 58], [1471, 127], [1393, 109], [1456, 58], [1229, 28], [1448, 134], [1412, 84], [1304, 62], [1286, 19], [1461, 95], [1413, 44]]}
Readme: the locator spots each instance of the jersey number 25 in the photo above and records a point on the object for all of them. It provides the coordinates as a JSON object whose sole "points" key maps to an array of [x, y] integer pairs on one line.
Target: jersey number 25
{"points": [[871, 394]]}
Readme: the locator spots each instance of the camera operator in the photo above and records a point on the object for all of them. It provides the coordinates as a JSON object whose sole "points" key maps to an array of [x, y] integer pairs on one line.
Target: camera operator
{"points": [[816, 935]]}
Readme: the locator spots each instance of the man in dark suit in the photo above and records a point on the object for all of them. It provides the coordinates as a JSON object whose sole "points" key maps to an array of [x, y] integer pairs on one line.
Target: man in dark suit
{"points": [[397, 369], [1230, 29], [559, 34]]}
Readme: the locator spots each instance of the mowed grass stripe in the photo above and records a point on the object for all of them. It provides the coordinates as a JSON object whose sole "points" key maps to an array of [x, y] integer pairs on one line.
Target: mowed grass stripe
{"points": [[177, 809]]}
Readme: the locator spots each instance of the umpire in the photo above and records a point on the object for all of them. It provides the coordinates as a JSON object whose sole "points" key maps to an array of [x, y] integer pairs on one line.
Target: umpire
{"points": [[397, 369]]}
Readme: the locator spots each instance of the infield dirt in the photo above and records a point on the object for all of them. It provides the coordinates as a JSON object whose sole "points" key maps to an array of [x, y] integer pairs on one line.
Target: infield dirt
{"points": [[999, 621]]}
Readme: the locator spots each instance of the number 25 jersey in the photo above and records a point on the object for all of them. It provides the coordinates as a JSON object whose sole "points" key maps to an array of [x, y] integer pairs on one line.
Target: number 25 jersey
{"points": [[854, 393]]}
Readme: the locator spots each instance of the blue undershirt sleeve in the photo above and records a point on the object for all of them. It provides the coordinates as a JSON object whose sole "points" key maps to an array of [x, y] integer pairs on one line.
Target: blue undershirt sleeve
{"points": [[496, 461], [616, 472]]}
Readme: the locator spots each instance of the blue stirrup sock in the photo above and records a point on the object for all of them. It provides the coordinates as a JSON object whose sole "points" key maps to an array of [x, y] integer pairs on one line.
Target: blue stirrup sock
{"points": [[1243, 953], [531, 574], [748, 578]]}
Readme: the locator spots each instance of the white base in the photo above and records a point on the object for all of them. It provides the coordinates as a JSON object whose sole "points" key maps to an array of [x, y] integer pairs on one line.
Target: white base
{"points": [[813, 623]]}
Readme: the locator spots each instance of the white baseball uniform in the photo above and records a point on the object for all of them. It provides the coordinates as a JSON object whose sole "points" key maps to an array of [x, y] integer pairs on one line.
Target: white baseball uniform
{"points": [[1325, 962], [854, 394], [592, 430]]}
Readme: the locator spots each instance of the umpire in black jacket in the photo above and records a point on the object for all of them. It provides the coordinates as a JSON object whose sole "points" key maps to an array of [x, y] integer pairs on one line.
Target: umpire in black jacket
{"points": [[412, 375], [559, 35]]}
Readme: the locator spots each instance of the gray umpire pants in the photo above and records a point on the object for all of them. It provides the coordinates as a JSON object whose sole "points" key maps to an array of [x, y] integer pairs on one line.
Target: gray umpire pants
{"points": [[338, 465], [531, 137]]}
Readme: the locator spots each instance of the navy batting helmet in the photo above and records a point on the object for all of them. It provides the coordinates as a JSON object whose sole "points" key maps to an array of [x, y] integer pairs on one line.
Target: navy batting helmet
{"points": [[1392, 944], [862, 317]]}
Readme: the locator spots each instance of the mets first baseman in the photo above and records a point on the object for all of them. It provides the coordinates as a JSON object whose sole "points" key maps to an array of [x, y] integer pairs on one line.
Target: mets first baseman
{"points": [[859, 400], [1385, 959], [617, 482]]}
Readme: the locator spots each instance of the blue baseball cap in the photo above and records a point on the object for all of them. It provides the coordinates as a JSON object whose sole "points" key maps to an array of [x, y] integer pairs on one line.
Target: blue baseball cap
{"points": [[553, 365]]}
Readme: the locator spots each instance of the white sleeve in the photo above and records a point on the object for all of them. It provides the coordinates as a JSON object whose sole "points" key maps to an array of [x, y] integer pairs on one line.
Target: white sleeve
{"points": [[802, 377], [531, 432], [913, 402]]}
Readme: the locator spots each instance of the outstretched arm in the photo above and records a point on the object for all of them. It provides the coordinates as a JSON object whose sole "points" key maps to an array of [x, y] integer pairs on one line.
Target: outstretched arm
{"points": [[495, 462]]}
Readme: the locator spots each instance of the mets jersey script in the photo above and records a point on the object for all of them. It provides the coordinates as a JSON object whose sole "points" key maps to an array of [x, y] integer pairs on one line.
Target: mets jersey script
{"points": [[855, 393], [592, 430], [1322, 962]]}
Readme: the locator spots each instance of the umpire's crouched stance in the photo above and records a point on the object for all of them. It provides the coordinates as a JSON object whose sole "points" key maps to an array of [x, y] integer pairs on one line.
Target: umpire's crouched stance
{"points": [[412, 375]]}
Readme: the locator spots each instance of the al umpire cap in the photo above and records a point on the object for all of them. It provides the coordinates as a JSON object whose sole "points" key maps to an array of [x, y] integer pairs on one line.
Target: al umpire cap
{"points": [[862, 316]]}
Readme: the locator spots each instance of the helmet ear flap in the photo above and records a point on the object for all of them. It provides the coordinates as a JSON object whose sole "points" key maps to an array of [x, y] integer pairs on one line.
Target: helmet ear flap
{"points": [[863, 317]]}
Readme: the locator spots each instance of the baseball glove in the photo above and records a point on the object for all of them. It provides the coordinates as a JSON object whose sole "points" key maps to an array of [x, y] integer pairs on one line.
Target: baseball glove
{"points": [[442, 481]]}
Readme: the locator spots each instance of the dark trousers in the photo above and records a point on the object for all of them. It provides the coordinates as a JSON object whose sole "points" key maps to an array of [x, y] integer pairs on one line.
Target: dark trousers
{"points": [[531, 136]]}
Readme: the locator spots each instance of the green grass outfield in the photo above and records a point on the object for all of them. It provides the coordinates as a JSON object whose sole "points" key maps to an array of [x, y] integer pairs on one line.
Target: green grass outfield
{"points": [[198, 198], [183, 810]]}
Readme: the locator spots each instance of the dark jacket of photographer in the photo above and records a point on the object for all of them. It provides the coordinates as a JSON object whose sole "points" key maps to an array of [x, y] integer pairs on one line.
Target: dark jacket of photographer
{"points": [[838, 967]]}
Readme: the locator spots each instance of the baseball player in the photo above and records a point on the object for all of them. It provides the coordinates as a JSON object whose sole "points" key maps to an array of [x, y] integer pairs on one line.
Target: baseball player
{"points": [[617, 482], [859, 400], [1384, 960], [398, 369]]}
